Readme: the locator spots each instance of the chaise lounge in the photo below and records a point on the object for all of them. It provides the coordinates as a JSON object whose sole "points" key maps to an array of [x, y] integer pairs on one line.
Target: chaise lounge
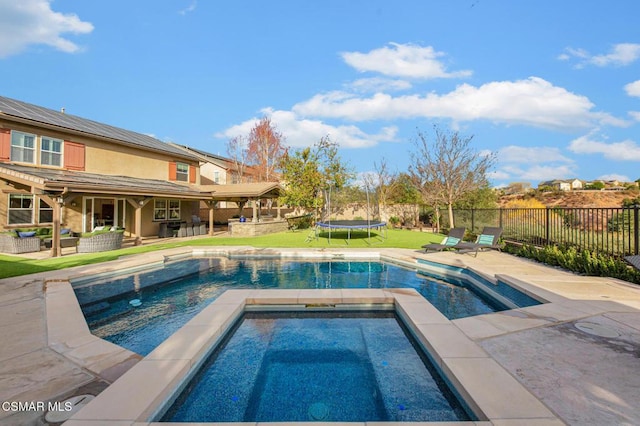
{"points": [[455, 236], [488, 240]]}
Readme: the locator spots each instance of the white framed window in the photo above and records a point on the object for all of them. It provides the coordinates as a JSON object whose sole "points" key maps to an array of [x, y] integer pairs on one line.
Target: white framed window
{"points": [[174, 209], [166, 209], [159, 209], [182, 172], [20, 209], [45, 212], [51, 151], [22, 147], [216, 176]]}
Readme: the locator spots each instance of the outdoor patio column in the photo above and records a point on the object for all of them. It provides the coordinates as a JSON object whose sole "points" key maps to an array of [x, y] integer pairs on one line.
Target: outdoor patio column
{"points": [[56, 205], [137, 217], [211, 205], [255, 211], [279, 216]]}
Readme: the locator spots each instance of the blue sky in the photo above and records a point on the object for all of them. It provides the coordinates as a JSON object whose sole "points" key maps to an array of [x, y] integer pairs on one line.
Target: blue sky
{"points": [[551, 87]]}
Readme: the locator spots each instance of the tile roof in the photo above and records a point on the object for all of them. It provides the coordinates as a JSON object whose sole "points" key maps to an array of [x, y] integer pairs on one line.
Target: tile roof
{"points": [[14, 108], [55, 179]]}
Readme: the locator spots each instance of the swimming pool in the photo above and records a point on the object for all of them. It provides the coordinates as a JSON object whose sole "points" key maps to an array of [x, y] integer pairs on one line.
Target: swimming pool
{"points": [[170, 294], [295, 366]]}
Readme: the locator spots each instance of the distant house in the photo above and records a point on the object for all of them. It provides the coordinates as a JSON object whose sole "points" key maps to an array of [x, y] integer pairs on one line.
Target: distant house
{"points": [[517, 188], [563, 185]]}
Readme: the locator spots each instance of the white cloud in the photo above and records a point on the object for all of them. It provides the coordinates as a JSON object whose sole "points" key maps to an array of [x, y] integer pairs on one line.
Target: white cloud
{"points": [[533, 101], [192, 6], [540, 172], [633, 89], [28, 22], [635, 115], [377, 84], [614, 176], [620, 55], [304, 132], [533, 163], [626, 150], [531, 155], [402, 60]]}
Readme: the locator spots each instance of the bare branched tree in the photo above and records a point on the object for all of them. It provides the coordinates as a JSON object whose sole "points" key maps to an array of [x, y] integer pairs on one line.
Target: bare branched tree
{"points": [[238, 152], [381, 181], [447, 168]]}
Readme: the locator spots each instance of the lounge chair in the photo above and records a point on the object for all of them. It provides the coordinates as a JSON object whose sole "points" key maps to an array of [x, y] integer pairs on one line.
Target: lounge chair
{"points": [[633, 261], [454, 237], [488, 240]]}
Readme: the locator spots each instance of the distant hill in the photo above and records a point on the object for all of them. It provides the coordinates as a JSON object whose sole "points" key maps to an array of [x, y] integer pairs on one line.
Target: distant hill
{"points": [[577, 198]]}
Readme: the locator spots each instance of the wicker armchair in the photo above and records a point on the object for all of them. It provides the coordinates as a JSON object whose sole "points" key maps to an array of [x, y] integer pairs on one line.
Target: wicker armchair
{"points": [[111, 240], [15, 245]]}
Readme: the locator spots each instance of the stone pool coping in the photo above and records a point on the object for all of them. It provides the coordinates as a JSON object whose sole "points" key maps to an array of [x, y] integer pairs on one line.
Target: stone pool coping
{"points": [[571, 298], [490, 391]]}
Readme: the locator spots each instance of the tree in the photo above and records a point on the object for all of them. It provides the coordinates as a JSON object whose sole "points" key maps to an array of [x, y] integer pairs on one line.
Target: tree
{"points": [[265, 148], [447, 168], [381, 181], [310, 172], [238, 152]]}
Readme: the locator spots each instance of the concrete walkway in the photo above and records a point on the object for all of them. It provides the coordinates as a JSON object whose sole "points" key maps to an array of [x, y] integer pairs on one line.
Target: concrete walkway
{"points": [[579, 354]]}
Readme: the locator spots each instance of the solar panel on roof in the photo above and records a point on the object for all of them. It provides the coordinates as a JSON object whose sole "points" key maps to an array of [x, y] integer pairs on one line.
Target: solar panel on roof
{"points": [[44, 115]]}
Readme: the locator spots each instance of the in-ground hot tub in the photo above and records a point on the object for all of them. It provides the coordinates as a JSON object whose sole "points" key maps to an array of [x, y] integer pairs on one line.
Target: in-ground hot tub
{"points": [[317, 366]]}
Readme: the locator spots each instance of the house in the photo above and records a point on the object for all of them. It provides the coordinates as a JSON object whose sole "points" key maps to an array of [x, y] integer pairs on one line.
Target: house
{"points": [[218, 170], [562, 185], [60, 169]]}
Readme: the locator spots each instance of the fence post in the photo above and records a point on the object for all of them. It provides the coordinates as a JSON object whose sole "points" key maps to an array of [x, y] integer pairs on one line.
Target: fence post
{"points": [[500, 220], [473, 220], [636, 231], [546, 225]]}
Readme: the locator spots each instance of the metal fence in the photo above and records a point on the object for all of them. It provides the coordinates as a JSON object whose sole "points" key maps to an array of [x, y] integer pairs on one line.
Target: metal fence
{"points": [[613, 231]]}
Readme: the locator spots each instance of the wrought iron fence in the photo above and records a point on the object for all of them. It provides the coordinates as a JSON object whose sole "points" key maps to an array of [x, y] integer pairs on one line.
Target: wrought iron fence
{"points": [[614, 231]]}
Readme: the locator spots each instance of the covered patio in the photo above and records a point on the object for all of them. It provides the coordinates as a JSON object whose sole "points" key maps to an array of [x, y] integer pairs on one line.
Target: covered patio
{"points": [[85, 201]]}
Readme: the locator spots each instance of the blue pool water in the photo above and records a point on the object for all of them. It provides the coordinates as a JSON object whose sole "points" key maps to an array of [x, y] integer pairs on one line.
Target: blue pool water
{"points": [[349, 367], [172, 294]]}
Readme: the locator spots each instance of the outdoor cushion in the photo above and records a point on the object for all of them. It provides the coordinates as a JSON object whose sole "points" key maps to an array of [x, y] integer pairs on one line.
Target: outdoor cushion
{"points": [[26, 234], [451, 241], [485, 239], [65, 231]]}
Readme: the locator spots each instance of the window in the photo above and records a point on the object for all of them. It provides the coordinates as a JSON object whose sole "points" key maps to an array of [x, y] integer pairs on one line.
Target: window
{"points": [[160, 210], [22, 147], [174, 209], [45, 213], [50, 151], [216, 177], [182, 172], [20, 208], [166, 210]]}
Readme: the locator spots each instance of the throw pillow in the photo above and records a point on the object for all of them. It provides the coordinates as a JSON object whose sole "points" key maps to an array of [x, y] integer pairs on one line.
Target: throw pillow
{"points": [[65, 231], [26, 234], [485, 239], [451, 241]]}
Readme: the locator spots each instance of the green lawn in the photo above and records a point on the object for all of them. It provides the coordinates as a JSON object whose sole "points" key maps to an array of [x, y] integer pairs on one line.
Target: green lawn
{"points": [[12, 266]]}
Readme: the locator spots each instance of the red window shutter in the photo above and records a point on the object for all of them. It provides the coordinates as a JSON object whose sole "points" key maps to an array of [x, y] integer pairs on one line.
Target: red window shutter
{"points": [[73, 155], [5, 144], [192, 174], [173, 170]]}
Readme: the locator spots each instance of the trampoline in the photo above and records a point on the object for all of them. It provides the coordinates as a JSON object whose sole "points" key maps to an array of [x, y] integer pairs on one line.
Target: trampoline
{"points": [[349, 225]]}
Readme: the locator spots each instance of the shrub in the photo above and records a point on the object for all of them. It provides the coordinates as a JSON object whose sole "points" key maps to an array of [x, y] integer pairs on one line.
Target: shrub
{"points": [[580, 261]]}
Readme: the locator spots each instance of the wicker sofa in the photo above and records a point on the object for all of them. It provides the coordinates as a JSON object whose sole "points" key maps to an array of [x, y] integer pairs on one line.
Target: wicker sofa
{"points": [[15, 245], [105, 241]]}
